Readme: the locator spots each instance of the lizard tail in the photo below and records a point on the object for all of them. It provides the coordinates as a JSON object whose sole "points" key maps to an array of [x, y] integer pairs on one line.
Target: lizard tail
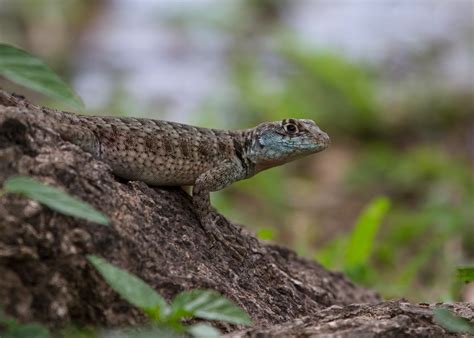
{"points": [[71, 127]]}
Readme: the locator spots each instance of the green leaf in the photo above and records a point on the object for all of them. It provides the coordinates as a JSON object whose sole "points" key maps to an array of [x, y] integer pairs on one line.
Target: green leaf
{"points": [[207, 304], [54, 198], [452, 322], [71, 331], [360, 243], [11, 328], [466, 274], [266, 234], [131, 288], [147, 332], [203, 331], [27, 331], [19, 66]]}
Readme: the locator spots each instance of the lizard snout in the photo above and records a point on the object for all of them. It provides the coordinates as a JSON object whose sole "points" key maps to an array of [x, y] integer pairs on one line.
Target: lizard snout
{"points": [[323, 139]]}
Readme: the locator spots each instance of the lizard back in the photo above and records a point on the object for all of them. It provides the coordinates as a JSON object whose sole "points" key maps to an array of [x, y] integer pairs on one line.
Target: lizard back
{"points": [[153, 151]]}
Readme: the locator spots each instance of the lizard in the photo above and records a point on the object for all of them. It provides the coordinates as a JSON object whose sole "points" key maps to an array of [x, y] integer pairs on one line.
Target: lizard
{"points": [[163, 153]]}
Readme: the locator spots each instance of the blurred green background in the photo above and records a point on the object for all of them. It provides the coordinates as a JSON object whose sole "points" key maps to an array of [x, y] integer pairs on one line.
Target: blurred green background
{"points": [[391, 202]]}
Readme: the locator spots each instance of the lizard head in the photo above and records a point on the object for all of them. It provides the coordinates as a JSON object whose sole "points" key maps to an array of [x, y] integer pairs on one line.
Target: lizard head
{"points": [[275, 143]]}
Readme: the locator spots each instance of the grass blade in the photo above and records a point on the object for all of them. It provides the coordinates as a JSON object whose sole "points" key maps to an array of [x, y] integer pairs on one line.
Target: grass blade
{"points": [[360, 243]]}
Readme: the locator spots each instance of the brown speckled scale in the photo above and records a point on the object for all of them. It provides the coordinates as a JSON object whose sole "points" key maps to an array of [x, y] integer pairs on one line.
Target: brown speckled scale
{"points": [[168, 153], [157, 152]]}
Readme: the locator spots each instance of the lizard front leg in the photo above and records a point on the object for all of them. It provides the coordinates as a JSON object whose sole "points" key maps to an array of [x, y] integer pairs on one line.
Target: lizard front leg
{"points": [[214, 179]]}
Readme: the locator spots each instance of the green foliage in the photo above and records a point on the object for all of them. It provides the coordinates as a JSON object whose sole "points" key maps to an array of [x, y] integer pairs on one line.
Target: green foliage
{"points": [[443, 189], [54, 198], [209, 305], [266, 234], [309, 83], [19, 66], [408, 171], [265, 186], [11, 328], [340, 91], [27, 331], [419, 162], [415, 264], [197, 331], [315, 84], [353, 252], [78, 332], [142, 332], [361, 240], [261, 190], [429, 229], [466, 274], [131, 288], [330, 255], [203, 304], [431, 189], [203, 331], [452, 322]]}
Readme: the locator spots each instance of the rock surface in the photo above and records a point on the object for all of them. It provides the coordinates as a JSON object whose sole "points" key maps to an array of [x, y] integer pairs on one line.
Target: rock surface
{"points": [[384, 319], [154, 233]]}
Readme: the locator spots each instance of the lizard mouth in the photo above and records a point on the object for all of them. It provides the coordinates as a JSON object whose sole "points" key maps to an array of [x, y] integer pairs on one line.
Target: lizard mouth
{"points": [[323, 139]]}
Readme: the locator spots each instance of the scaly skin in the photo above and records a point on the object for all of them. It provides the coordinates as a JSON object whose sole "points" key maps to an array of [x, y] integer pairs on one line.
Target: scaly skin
{"points": [[167, 153]]}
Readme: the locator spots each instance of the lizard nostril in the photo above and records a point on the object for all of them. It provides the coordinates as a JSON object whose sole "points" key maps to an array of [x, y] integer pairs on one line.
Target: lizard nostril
{"points": [[322, 136]]}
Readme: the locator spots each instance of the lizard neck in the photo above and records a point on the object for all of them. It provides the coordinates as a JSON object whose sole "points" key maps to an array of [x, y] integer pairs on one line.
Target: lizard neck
{"points": [[243, 144], [253, 159]]}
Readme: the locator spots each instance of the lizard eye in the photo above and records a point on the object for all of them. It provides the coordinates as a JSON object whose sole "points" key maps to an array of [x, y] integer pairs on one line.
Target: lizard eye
{"points": [[291, 128]]}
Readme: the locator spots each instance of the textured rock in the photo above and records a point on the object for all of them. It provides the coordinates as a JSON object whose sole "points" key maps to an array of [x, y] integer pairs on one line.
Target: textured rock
{"points": [[155, 234], [385, 319]]}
